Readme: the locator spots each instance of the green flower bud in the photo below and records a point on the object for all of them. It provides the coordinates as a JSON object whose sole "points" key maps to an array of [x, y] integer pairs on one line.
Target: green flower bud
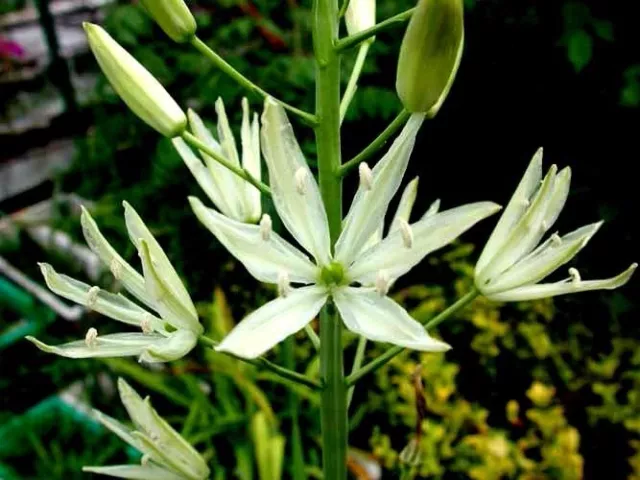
{"points": [[136, 86], [173, 16], [430, 55]]}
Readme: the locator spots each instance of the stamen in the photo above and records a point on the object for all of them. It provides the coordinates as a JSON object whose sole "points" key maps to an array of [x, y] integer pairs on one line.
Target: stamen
{"points": [[266, 226], [556, 240], [92, 296], [145, 324], [284, 286], [366, 176], [301, 180], [406, 232], [575, 275], [544, 225], [145, 459], [116, 268], [383, 283], [525, 202], [91, 337]]}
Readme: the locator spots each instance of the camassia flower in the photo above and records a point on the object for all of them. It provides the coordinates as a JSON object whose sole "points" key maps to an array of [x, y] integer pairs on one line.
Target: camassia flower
{"points": [[166, 455], [513, 263], [163, 338], [232, 195], [365, 309]]}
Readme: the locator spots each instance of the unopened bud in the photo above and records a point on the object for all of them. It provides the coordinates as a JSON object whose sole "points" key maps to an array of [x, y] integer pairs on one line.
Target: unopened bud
{"points": [[174, 17], [266, 226], [91, 337], [366, 176], [430, 55], [360, 15], [135, 85]]}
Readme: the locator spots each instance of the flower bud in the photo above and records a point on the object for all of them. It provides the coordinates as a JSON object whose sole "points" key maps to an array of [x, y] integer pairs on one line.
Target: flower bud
{"points": [[430, 55], [360, 15], [136, 86], [173, 16]]}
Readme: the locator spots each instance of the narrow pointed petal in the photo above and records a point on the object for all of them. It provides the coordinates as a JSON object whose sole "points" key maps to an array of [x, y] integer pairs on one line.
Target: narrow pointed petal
{"points": [[113, 345], [378, 318], [274, 322], [115, 426], [135, 472], [429, 234], [303, 214], [266, 260], [370, 206], [432, 210], [559, 197], [167, 303], [202, 174], [406, 204], [222, 177], [513, 213], [542, 263], [122, 271], [250, 135], [526, 234], [177, 345], [138, 232], [544, 290], [113, 306]]}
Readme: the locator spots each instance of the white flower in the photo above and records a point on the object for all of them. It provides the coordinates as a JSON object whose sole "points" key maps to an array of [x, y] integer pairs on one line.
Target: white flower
{"points": [[232, 195], [163, 338], [360, 15], [166, 455], [513, 263], [365, 310]]}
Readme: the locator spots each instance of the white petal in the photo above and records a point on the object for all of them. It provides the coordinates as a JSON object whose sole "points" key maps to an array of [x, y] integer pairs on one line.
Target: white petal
{"points": [[432, 210], [135, 472], [177, 345], [514, 211], [378, 318], [138, 232], [203, 175], [429, 234], [251, 159], [265, 259], [125, 273], [544, 290], [406, 204], [167, 303], [525, 234], [369, 206], [224, 178], [542, 262], [274, 322], [113, 345], [115, 426], [113, 306], [303, 215]]}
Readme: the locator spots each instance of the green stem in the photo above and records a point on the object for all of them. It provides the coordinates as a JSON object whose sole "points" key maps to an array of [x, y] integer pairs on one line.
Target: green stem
{"points": [[393, 351], [297, 465], [223, 65], [352, 86], [343, 8], [353, 40], [334, 395], [267, 365], [377, 144], [313, 336], [357, 363], [239, 171]]}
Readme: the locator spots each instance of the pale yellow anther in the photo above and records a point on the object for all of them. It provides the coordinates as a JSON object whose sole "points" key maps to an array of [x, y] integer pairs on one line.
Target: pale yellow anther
{"points": [[91, 337], [301, 180], [116, 268], [366, 176], [556, 240], [92, 296], [284, 285], [266, 226], [145, 324], [383, 282], [406, 232], [575, 275]]}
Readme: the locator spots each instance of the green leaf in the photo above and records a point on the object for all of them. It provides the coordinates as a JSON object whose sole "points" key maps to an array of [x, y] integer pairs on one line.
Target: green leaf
{"points": [[580, 49], [603, 29]]}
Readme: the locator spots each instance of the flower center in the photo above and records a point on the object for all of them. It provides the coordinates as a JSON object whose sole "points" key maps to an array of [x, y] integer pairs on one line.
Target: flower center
{"points": [[333, 274]]}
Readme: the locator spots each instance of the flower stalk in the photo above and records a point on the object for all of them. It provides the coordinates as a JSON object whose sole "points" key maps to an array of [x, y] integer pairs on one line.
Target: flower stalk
{"points": [[356, 39]]}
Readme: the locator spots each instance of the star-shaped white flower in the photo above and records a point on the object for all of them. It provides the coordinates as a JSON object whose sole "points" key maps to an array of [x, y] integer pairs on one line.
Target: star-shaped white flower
{"points": [[365, 309], [513, 263]]}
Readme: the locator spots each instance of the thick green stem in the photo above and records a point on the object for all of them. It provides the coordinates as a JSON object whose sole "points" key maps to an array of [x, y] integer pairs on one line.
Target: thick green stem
{"points": [[223, 65], [377, 144], [360, 37], [393, 351], [334, 395]]}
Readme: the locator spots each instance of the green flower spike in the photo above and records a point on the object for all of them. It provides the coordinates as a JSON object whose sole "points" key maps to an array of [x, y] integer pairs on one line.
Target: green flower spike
{"points": [[174, 17]]}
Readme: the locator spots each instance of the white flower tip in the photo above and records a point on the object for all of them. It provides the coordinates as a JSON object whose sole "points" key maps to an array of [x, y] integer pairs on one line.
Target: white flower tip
{"points": [[565, 174], [406, 232], [383, 283], [91, 337], [266, 227], [366, 176], [92, 296], [537, 157], [575, 275], [301, 180], [284, 284]]}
